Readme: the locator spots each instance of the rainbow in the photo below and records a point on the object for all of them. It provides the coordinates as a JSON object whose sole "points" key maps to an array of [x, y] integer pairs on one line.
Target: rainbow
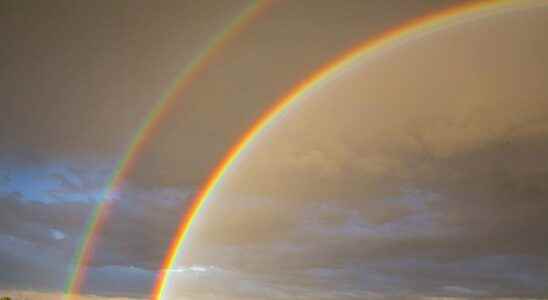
{"points": [[411, 29], [84, 252]]}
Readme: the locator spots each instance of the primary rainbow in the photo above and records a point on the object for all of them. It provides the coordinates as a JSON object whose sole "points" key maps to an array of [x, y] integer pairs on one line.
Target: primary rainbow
{"points": [[94, 224], [428, 23]]}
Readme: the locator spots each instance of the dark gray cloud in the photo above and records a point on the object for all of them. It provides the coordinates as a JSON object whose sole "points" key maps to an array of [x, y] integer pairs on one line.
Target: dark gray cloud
{"points": [[145, 221], [31, 220]]}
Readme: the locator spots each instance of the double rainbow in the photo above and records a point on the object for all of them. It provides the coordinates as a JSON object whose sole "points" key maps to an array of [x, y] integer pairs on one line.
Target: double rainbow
{"points": [[412, 29], [185, 78]]}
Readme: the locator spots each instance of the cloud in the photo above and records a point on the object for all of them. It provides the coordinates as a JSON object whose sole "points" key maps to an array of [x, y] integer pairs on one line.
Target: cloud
{"points": [[57, 234], [462, 291], [33, 221]]}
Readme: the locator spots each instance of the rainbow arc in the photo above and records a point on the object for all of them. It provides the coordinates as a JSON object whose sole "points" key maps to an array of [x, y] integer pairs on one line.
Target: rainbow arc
{"points": [[415, 28]]}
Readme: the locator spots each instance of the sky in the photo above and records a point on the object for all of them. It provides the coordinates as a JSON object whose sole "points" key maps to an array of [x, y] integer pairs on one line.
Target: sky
{"points": [[417, 173]]}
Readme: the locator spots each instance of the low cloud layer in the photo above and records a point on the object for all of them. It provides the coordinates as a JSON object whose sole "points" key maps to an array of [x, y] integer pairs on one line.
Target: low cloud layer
{"points": [[40, 237], [36, 295]]}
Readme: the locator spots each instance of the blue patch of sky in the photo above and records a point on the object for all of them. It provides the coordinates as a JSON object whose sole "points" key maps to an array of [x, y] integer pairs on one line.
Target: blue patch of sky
{"points": [[49, 182]]}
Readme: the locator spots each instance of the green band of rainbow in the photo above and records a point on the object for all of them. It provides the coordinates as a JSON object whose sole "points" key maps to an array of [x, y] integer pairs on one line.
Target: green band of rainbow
{"points": [[100, 212], [429, 23]]}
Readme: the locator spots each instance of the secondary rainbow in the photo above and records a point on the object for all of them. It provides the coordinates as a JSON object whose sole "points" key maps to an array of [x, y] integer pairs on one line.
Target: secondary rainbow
{"points": [[428, 23], [124, 166]]}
